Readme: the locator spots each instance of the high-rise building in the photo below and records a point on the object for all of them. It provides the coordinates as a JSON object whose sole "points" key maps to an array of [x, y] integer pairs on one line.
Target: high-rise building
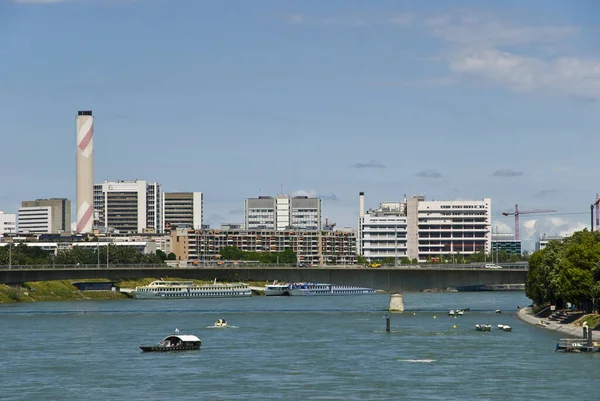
{"points": [[128, 206], [8, 223], [85, 171], [47, 216], [428, 231], [182, 209], [283, 213]]}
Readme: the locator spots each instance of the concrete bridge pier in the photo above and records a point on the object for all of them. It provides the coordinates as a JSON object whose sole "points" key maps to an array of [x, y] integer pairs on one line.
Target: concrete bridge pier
{"points": [[396, 302]]}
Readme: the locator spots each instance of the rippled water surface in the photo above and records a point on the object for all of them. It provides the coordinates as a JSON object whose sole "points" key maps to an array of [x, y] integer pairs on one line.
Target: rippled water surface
{"points": [[292, 348]]}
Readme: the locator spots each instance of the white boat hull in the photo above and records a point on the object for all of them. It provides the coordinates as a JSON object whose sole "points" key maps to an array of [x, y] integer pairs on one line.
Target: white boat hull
{"points": [[190, 294]]}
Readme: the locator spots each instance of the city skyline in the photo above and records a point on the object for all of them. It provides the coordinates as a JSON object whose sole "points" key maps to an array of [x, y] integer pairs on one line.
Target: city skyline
{"points": [[323, 100]]}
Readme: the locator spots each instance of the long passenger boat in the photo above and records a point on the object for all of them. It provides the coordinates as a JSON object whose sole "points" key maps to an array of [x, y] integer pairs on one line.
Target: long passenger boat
{"points": [[161, 289], [316, 289]]}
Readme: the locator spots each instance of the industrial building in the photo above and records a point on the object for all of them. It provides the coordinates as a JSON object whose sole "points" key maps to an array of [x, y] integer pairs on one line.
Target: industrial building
{"points": [[182, 209], [429, 231], [283, 213], [45, 216], [312, 247], [128, 206]]}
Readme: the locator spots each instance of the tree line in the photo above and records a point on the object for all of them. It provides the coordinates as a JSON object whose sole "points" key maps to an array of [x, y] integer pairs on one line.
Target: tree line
{"points": [[233, 253], [567, 271], [22, 254]]}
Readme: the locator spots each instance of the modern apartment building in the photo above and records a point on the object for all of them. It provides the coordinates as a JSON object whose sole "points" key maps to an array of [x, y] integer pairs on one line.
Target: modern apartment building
{"points": [[128, 206], [182, 209], [283, 213], [8, 223], [428, 231], [45, 216], [383, 231], [312, 247]]}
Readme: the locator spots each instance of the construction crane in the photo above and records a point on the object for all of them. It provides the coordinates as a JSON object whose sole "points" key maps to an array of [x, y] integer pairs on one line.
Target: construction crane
{"points": [[518, 212]]}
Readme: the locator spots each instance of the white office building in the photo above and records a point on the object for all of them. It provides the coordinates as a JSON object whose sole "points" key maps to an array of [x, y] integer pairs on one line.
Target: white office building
{"points": [[182, 209], [8, 223], [283, 213], [35, 220], [383, 232], [434, 230], [128, 206], [545, 239]]}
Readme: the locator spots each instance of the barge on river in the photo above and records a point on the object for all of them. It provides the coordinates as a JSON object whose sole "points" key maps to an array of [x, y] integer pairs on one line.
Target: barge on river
{"points": [[161, 289], [315, 289]]}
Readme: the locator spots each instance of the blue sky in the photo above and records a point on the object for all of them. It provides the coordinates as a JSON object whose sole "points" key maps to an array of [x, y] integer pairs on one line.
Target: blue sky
{"points": [[460, 100]]}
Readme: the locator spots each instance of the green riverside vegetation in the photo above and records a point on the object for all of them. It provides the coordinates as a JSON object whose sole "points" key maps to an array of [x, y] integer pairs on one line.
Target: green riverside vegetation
{"points": [[64, 290], [21, 254], [567, 271]]}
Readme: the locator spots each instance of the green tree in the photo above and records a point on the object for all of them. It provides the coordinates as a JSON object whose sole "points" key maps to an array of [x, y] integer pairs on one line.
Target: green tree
{"points": [[361, 260], [161, 255], [172, 256], [231, 253]]}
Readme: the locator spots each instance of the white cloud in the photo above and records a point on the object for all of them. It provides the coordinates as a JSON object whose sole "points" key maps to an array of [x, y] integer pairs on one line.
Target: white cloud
{"points": [[311, 193], [515, 55], [484, 30], [551, 225], [502, 228], [524, 74]]}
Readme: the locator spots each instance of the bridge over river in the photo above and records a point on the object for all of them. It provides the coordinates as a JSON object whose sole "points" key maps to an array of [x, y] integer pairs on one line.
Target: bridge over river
{"points": [[393, 279]]}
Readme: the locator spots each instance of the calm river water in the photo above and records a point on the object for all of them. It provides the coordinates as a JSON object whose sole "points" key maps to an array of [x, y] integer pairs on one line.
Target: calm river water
{"points": [[292, 348]]}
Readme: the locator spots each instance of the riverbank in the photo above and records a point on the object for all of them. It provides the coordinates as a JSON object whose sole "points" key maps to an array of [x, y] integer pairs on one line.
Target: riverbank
{"points": [[40, 291], [572, 330]]}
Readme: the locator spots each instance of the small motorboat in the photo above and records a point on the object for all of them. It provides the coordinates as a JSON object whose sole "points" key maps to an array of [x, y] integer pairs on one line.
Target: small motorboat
{"points": [[177, 342], [498, 312], [451, 313], [221, 323], [506, 328], [483, 327], [460, 312]]}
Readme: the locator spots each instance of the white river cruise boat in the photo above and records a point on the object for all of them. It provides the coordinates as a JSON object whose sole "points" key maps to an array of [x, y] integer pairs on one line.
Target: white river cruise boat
{"points": [[161, 289], [316, 289]]}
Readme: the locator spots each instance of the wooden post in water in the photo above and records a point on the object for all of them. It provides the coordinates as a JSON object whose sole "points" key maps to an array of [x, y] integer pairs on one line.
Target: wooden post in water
{"points": [[590, 338], [387, 323]]}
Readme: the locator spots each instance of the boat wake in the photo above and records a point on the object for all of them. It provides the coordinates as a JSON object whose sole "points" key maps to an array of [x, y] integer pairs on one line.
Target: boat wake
{"points": [[417, 360]]}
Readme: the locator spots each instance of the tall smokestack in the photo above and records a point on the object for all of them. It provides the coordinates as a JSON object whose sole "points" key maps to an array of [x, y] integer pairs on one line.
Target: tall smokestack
{"points": [[85, 171], [361, 204]]}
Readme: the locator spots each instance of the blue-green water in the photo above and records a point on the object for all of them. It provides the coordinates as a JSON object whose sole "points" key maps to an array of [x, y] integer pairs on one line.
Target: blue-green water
{"points": [[293, 348]]}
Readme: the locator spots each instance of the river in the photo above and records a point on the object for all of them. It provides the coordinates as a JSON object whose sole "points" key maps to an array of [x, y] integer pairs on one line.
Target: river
{"points": [[292, 348]]}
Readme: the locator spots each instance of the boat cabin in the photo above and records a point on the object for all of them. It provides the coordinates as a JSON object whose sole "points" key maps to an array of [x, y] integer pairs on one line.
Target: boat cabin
{"points": [[180, 340]]}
